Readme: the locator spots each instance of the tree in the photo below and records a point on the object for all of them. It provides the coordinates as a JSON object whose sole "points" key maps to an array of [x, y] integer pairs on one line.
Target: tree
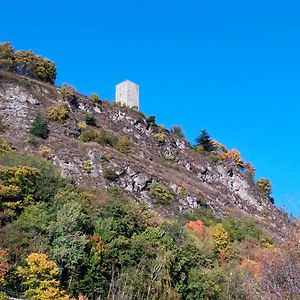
{"points": [[177, 131], [95, 99], [265, 186], [7, 58], [34, 66], [39, 127], [39, 278], [205, 141]]}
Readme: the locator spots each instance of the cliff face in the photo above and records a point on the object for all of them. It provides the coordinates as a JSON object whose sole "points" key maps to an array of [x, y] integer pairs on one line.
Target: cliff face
{"points": [[192, 178]]}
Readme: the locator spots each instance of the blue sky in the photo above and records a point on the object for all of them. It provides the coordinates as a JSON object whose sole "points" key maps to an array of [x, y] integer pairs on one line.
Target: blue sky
{"points": [[232, 67]]}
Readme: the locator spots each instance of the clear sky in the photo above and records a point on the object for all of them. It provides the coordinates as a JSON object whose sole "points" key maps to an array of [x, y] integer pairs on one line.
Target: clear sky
{"points": [[232, 67]]}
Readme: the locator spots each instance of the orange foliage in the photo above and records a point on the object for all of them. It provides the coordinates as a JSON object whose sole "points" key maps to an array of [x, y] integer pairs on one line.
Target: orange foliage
{"points": [[249, 169], [197, 227], [97, 242], [234, 156]]}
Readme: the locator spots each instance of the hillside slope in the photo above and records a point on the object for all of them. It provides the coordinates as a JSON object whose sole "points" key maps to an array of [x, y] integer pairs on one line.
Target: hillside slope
{"points": [[148, 154]]}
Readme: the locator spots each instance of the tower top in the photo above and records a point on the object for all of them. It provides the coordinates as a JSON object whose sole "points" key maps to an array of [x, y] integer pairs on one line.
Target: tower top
{"points": [[127, 93]]}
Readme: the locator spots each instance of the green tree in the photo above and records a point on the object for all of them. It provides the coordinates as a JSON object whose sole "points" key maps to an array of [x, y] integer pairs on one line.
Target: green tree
{"points": [[265, 186], [177, 130], [204, 140], [90, 119], [39, 127]]}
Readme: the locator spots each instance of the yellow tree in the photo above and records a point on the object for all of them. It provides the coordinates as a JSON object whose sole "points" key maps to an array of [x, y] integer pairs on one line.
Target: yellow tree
{"points": [[221, 238], [39, 278]]}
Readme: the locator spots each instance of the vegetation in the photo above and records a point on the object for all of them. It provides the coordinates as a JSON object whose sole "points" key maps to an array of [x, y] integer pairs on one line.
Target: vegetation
{"points": [[90, 119], [26, 63], [110, 175], [63, 242], [177, 130], [58, 113], [39, 127], [151, 121], [265, 186], [124, 145], [95, 99], [204, 141], [69, 94], [160, 193]]}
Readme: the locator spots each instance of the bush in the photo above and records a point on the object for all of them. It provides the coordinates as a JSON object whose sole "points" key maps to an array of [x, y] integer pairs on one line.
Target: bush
{"points": [[110, 175], [160, 193], [39, 127], [4, 146], [265, 186], [89, 135], [69, 93], [58, 113], [124, 145], [160, 137], [151, 121], [177, 131], [87, 166], [107, 138], [44, 151], [32, 140], [95, 99], [90, 119]]}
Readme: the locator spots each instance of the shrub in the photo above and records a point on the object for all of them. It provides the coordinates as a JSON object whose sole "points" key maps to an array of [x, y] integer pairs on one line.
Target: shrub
{"points": [[105, 158], [242, 230], [90, 119], [39, 127], [151, 121], [249, 170], [32, 140], [177, 131], [58, 113], [160, 193], [110, 175], [221, 237], [95, 99], [107, 138], [197, 227], [89, 135], [201, 198], [44, 151], [82, 125], [87, 166], [4, 146], [160, 137], [265, 186], [124, 145], [69, 93]]}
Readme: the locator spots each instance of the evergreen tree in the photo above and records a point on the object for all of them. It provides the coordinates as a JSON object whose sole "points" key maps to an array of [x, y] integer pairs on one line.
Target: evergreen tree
{"points": [[39, 127], [205, 141]]}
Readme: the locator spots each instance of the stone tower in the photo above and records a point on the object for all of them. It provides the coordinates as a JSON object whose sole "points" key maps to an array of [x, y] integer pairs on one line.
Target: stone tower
{"points": [[127, 93]]}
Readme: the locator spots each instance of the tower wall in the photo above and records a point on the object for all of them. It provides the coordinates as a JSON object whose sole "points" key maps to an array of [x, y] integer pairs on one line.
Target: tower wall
{"points": [[127, 93]]}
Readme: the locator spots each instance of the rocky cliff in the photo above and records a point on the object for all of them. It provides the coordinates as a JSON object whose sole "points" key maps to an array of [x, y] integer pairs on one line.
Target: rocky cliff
{"points": [[192, 178]]}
